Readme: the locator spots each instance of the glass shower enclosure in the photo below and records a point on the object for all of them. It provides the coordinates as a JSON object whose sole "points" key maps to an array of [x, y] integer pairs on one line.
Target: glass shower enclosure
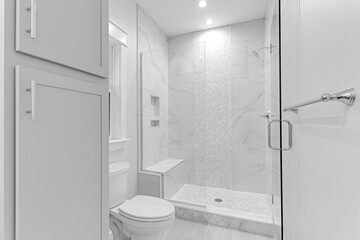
{"points": [[206, 102]]}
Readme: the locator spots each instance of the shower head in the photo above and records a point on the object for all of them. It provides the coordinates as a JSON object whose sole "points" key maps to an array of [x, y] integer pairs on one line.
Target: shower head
{"points": [[256, 53]]}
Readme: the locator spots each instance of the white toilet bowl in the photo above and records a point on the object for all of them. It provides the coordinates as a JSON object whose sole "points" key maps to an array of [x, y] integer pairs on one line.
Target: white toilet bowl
{"points": [[143, 218], [140, 218]]}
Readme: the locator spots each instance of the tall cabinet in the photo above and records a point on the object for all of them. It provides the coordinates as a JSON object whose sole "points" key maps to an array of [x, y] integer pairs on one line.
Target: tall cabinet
{"points": [[54, 120]]}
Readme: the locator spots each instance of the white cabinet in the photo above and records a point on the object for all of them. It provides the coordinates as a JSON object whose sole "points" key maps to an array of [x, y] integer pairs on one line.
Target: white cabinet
{"points": [[67, 32], [61, 157]]}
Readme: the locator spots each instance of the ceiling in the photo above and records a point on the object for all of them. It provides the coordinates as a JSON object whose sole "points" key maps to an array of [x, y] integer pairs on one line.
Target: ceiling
{"points": [[182, 16]]}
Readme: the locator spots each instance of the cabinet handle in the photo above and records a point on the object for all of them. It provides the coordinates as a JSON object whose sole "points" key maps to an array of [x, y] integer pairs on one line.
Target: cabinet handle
{"points": [[32, 89], [33, 19], [33, 100]]}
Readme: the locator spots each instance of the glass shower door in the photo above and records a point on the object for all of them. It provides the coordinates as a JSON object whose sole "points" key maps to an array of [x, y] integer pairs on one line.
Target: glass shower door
{"points": [[224, 80], [274, 123]]}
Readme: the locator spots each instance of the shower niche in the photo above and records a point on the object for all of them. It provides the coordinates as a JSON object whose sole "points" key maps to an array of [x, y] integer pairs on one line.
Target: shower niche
{"points": [[155, 110], [155, 104]]}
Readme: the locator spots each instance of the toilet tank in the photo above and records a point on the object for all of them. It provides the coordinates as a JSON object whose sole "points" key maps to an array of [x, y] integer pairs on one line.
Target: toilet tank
{"points": [[118, 179]]}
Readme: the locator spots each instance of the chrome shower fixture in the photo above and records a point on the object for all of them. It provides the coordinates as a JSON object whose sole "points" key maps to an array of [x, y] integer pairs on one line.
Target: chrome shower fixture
{"points": [[256, 53]]}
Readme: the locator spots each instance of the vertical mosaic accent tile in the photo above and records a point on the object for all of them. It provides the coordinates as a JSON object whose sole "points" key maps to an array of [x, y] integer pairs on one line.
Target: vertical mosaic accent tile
{"points": [[213, 108], [200, 161]]}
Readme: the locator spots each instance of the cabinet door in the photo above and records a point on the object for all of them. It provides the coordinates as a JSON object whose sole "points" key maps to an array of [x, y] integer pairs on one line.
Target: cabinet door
{"points": [[67, 32], [61, 158]]}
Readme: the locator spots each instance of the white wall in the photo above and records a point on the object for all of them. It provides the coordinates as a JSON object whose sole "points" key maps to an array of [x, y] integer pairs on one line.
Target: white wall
{"points": [[123, 12], [320, 53], [2, 85]]}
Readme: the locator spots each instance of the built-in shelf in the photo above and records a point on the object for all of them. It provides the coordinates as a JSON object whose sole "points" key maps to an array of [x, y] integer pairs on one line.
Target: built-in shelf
{"points": [[164, 165], [155, 105], [155, 123]]}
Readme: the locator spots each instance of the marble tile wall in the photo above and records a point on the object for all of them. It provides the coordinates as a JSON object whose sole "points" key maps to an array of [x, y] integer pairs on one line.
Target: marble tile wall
{"points": [[173, 180], [182, 74], [248, 103], [216, 95], [153, 62]]}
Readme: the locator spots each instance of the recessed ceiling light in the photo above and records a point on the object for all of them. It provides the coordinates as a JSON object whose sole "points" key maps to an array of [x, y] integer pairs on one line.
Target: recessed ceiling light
{"points": [[209, 21], [202, 3]]}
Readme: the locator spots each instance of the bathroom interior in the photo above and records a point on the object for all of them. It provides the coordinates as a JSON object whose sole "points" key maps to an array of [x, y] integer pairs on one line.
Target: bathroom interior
{"points": [[179, 120], [204, 94]]}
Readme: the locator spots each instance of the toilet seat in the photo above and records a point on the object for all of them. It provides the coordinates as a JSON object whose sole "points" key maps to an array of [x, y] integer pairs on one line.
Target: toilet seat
{"points": [[142, 217], [145, 209]]}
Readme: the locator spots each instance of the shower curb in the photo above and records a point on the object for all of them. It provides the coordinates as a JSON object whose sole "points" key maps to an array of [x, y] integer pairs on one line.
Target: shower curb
{"points": [[240, 224]]}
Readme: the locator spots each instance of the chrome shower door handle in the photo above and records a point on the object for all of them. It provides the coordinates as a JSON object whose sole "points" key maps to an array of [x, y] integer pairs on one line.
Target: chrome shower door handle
{"points": [[268, 115], [289, 135]]}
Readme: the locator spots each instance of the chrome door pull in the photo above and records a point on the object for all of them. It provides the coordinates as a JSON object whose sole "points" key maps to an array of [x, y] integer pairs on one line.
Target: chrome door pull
{"points": [[289, 134]]}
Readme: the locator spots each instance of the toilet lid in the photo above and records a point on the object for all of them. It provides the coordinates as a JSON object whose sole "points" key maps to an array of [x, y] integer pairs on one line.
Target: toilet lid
{"points": [[146, 208]]}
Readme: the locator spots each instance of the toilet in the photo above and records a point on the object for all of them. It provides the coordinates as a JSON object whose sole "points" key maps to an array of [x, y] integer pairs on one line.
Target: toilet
{"points": [[140, 218]]}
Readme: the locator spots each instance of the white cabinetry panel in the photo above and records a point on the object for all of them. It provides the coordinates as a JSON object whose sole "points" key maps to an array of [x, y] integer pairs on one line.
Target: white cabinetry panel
{"points": [[68, 32], [61, 158]]}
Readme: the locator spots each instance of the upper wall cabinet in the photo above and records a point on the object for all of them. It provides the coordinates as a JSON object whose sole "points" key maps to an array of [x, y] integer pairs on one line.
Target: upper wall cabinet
{"points": [[67, 32]]}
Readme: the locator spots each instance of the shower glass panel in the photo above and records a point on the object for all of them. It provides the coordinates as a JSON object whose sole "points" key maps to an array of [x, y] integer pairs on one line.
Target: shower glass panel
{"points": [[206, 99], [154, 99], [272, 103], [187, 122], [172, 109]]}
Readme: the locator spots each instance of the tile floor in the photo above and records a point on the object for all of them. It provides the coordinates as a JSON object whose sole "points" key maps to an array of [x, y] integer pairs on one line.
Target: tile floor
{"points": [[186, 230]]}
